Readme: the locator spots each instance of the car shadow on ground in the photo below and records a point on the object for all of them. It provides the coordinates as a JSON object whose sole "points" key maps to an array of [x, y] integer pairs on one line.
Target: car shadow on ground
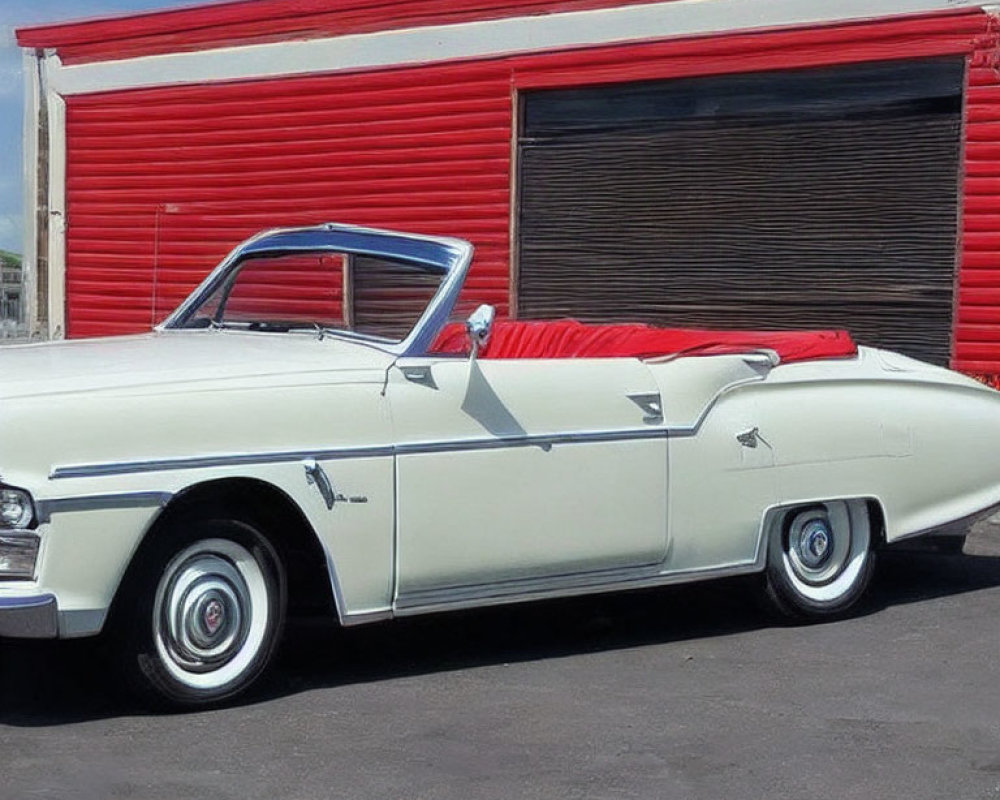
{"points": [[54, 683]]}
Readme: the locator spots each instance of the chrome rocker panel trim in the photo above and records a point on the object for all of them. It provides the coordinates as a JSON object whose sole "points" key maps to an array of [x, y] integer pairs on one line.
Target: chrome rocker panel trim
{"points": [[553, 587], [550, 588]]}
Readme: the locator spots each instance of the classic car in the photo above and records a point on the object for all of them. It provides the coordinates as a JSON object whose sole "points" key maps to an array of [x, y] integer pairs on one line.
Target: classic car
{"points": [[309, 433]]}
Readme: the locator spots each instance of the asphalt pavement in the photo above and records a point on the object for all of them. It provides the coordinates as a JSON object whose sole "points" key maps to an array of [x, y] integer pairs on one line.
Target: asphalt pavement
{"points": [[689, 692]]}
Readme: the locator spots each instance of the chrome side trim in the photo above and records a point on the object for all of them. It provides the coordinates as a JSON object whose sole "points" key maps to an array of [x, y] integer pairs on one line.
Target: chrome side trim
{"points": [[544, 441], [32, 617], [206, 462], [100, 502], [462, 597]]}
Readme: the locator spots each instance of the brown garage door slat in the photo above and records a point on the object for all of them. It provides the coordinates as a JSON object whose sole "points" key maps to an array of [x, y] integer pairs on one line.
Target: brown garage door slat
{"points": [[786, 220]]}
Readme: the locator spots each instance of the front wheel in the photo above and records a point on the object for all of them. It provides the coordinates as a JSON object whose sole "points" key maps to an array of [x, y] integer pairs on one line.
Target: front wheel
{"points": [[820, 560], [206, 608]]}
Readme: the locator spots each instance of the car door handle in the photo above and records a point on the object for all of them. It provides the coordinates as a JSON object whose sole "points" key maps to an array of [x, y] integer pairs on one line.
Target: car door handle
{"points": [[316, 476], [651, 405], [421, 375]]}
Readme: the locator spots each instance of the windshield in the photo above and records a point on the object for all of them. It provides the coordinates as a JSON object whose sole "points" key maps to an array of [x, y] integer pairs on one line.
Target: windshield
{"points": [[363, 295]]}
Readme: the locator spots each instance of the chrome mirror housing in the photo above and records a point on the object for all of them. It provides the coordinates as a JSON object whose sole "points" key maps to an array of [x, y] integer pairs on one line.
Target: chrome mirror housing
{"points": [[479, 326]]}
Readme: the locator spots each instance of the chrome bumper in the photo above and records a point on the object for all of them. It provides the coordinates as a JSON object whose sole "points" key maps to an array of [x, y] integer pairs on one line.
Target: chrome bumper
{"points": [[31, 617]]}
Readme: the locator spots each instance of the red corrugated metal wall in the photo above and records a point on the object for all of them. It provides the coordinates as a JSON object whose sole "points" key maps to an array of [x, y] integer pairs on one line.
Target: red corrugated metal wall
{"points": [[166, 180], [171, 179], [258, 21], [977, 323], [298, 287]]}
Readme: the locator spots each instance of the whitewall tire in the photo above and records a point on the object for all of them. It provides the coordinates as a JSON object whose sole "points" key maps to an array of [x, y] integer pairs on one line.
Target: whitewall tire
{"points": [[820, 559], [206, 607]]}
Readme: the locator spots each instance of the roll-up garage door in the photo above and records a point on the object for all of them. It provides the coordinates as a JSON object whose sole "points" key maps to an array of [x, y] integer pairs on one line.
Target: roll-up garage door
{"points": [[806, 198]]}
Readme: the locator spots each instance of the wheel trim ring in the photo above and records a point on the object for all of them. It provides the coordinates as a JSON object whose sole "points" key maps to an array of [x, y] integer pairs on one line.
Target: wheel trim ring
{"points": [[193, 589], [255, 617]]}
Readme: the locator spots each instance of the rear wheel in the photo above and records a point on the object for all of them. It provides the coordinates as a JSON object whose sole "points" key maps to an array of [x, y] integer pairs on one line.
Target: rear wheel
{"points": [[202, 613], [820, 559]]}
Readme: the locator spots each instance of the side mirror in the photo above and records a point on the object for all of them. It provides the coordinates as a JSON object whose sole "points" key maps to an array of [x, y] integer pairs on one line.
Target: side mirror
{"points": [[479, 326]]}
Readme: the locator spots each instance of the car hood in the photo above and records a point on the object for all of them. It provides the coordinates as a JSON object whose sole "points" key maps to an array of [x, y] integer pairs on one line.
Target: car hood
{"points": [[175, 358]]}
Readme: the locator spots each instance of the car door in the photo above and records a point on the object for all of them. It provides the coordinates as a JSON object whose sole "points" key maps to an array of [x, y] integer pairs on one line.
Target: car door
{"points": [[521, 475]]}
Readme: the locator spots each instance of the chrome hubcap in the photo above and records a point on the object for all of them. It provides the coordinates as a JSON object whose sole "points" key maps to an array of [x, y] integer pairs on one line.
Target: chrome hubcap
{"points": [[813, 543], [819, 544], [204, 616], [214, 616]]}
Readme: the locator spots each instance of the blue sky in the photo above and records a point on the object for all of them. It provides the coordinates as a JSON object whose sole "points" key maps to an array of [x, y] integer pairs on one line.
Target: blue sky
{"points": [[14, 14]]}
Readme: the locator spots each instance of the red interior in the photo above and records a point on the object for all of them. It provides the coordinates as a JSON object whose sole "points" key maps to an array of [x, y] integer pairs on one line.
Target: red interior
{"points": [[571, 339]]}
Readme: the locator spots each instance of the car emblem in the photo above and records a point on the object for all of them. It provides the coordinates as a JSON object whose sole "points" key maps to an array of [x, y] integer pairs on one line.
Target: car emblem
{"points": [[213, 615]]}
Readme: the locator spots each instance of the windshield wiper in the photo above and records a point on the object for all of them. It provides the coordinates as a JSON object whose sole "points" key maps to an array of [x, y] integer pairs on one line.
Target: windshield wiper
{"points": [[301, 326], [269, 326]]}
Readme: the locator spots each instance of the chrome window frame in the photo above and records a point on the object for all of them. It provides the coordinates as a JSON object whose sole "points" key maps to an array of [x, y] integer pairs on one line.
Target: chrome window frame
{"points": [[444, 255]]}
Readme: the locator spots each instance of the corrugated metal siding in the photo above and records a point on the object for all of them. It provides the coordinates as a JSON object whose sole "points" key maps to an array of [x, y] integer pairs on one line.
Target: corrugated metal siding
{"points": [[977, 333], [259, 21], [299, 287], [168, 180], [165, 181]]}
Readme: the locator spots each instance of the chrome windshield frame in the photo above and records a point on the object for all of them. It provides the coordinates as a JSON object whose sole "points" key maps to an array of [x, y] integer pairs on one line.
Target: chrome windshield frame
{"points": [[439, 254]]}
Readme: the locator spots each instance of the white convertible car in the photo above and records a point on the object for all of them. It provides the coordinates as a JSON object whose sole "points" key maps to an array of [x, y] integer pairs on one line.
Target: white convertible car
{"points": [[293, 439]]}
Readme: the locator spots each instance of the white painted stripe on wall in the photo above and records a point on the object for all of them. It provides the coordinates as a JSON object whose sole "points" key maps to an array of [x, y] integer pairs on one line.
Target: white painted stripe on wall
{"points": [[475, 40], [29, 274], [57, 214]]}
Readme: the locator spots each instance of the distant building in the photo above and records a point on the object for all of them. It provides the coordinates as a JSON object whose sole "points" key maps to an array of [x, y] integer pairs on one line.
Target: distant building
{"points": [[11, 307]]}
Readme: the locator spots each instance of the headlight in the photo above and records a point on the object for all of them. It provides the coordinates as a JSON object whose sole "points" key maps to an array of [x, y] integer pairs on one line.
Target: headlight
{"points": [[16, 508]]}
